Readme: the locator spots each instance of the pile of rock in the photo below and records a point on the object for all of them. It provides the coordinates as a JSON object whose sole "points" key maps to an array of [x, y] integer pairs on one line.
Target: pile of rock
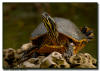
{"points": [[54, 60]]}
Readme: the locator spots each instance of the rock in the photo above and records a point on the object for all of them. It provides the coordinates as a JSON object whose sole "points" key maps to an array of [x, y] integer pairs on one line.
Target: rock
{"points": [[9, 53], [10, 57], [32, 63], [27, 64], [19, 51], [26, 46], [54, 60], [76, 59], [91, 59], [82, 60], [32, 60], [85, 66], [5, 64], [36, 60]]}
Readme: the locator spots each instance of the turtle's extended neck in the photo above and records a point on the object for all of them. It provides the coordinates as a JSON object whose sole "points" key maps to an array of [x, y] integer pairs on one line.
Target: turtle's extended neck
{"points": [[51, 27]]}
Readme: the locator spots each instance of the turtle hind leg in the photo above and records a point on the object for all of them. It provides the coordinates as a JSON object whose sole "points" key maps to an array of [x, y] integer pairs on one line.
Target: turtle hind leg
{"points": [[88, 32], [68, 53]]}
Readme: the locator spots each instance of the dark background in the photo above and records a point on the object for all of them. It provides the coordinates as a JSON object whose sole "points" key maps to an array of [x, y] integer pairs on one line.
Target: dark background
{"points": [[20, 19]]}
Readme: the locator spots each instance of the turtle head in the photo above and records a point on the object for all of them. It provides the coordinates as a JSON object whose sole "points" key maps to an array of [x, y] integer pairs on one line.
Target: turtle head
{"points": [[49, 22], [50, 25]]}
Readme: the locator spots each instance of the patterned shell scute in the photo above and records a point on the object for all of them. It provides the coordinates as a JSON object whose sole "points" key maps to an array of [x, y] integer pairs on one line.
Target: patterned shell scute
{"points": [[64, 26]]}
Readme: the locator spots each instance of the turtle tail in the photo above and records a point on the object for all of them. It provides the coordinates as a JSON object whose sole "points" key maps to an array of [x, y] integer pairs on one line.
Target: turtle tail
{"points": [[88, 32]]}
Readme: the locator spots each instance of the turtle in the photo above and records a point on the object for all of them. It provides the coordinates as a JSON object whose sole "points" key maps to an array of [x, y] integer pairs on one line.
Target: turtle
{"points": [[56, 34]]}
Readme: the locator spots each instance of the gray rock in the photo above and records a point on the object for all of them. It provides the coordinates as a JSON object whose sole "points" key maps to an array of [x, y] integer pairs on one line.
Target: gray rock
{"points": [[19, 51], [27, 64], [37, 60], [54, 60], [91, 59], [26, 46], [82, 60], [9, 57], [32, 63], [85, 66]]}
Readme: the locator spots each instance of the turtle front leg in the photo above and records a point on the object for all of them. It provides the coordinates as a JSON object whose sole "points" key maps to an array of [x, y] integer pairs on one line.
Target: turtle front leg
{"points": [[69, 52]]}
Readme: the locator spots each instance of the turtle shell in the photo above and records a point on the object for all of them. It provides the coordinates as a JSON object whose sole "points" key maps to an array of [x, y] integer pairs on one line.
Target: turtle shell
{"points": [[64, 26]]}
